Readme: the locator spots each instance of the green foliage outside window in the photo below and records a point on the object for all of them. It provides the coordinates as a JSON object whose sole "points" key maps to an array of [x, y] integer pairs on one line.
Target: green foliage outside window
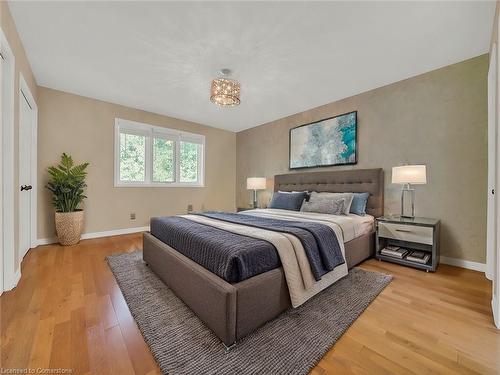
{"points": [[189, 162], [133, 159], [132, 162], [163, 160]]}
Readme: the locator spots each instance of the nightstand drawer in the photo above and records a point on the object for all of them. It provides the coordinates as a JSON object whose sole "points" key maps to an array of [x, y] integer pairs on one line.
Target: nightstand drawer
{"points": [[405, 232]]}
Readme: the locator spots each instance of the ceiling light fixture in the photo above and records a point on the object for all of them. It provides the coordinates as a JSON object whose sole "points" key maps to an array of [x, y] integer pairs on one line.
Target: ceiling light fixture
{"points": [[225, 91]]}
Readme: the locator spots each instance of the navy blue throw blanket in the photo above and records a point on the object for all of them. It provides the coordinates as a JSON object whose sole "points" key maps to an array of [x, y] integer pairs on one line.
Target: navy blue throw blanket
{"points": [[319, 241], [230, 256]]}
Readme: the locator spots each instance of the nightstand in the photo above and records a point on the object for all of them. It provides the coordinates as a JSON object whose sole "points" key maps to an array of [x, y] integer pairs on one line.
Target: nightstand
{"points": [[419, 233]]}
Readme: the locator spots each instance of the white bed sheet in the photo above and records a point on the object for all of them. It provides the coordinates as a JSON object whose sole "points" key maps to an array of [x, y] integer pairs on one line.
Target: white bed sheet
{"points": [[352, 225], [362, 224]]}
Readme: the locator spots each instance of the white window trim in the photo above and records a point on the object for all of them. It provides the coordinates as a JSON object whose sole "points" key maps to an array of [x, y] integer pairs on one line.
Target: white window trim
{"points": [[150, 131]]}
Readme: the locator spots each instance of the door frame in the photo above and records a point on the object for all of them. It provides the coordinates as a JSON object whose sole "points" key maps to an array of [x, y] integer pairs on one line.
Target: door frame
{"points": [[1, 173], [10, 275], [493, 217], [495, 300], [25, 94], [491, 238]]}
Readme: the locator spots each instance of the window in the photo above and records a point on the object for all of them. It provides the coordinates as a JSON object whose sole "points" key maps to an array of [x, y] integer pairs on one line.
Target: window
{"points": [[147, 155], [189, 162], [132, 157], [163, 160]]}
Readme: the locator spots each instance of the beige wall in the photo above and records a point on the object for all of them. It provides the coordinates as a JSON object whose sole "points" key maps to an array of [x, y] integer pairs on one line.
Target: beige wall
{"points": [[84, 128], [22, 67], [438, 119]]}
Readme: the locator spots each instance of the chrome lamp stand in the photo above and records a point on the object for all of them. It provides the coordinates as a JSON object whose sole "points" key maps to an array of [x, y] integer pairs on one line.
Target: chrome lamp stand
{"points": [[254, 198], [407, 190]]}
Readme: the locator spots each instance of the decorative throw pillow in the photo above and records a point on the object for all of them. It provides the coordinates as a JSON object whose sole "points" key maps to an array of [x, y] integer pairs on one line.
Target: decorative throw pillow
{"points": [[308, 194], [287, 200], [359, 202], [324, 205], [335, 196]]}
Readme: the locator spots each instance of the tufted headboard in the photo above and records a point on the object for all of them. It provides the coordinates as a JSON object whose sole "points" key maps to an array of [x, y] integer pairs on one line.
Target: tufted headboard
{"points": [[354, 180]]}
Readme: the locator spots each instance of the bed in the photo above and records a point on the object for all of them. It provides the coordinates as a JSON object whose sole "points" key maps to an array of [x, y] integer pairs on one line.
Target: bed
{"points": [[234, 309]]}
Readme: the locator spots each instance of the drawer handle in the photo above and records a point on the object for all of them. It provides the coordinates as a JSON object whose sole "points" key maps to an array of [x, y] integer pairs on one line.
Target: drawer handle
{"points": [[404, 230]]}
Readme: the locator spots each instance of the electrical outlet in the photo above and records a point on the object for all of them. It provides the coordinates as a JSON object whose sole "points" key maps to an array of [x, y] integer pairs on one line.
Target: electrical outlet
{"points": [[132, 216]]}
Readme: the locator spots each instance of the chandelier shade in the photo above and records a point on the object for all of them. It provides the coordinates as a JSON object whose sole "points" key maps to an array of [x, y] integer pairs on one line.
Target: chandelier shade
{"points": [[225, 92]]}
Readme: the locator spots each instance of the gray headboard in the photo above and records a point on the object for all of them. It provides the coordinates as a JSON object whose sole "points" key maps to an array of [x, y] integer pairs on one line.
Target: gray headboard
{"points": [[354, 180]]}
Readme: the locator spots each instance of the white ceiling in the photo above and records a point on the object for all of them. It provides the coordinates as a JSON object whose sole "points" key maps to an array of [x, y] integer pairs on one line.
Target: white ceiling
{"points": [[289, 57]]}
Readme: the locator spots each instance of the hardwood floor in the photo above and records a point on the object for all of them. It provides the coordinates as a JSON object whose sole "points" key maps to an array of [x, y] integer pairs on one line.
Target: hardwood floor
{"points": [[68, 312]]}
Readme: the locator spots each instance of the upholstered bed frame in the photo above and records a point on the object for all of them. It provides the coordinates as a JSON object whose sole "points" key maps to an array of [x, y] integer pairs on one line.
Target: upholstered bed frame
{"points": [[232, 311]]}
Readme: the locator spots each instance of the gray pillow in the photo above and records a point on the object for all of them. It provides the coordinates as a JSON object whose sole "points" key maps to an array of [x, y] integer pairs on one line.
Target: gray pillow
{"points": [[348, 197], [287, 201], [325, 204]]}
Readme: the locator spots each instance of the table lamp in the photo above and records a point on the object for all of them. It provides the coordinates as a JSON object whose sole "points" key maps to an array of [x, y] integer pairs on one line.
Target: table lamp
{"points": [[408, 175], [256, 183]]}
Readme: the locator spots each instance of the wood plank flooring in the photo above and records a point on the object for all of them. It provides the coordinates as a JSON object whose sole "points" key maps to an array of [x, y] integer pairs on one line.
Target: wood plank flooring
{"points": [[68, 312]]}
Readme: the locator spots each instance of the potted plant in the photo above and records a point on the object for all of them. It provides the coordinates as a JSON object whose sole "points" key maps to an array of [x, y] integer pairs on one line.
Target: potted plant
{"points": [[67, 184]]}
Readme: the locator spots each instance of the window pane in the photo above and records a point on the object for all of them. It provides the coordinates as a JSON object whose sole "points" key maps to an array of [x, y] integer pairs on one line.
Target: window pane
{"points": [[132, 157], [163, 160], [189, 162]]}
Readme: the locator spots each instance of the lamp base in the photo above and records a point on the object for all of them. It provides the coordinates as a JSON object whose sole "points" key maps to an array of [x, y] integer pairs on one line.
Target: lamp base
{"points": [[408, 202], [255, 199]]}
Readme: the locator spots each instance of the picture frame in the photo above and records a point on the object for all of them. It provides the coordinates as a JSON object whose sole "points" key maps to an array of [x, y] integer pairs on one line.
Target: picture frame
{"points": [[328, 142]]}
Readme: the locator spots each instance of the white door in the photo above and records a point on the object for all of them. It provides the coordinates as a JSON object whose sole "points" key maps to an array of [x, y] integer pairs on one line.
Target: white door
{"points": [[25, 182], [1, 178], [491, 240], [495, 257], [493, 213]]}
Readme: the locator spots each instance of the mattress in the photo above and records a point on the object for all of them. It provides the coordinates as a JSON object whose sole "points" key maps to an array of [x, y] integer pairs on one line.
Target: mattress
{"points": [[231, 256], [362, 225], [352, 226], [235, 257]]}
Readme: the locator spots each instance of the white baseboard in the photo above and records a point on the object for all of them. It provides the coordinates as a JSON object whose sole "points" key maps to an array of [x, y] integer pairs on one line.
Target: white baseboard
{"points": [[12, 283], [108, 233], [495, 308], [46, 241], [463, 263]]}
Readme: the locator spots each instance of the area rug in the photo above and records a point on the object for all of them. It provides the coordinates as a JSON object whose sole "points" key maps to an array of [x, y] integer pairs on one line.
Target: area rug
{"points": [[290, 344]]}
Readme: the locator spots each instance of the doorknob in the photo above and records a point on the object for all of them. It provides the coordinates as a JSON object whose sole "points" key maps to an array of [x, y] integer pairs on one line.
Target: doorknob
{"points": [[26, 187]]}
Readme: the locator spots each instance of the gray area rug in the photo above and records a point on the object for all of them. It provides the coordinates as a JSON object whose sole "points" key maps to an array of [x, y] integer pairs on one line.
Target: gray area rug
{"points": [[290, 344]]}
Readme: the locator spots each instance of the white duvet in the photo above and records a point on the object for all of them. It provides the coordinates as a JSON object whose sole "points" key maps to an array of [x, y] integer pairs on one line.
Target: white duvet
{"points": [[299, 278]]}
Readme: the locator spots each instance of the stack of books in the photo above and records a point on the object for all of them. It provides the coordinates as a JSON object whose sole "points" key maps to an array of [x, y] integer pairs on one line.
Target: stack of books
{"points": [[394, 251], [418, 257]]}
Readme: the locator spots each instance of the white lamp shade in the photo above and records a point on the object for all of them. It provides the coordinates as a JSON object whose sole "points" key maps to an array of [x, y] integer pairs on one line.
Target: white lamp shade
{"points": [[256, 183], [409, 174]]}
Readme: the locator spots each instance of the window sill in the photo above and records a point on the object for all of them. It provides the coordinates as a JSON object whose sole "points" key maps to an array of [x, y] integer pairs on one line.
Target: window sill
{"points": [[158, 185]]}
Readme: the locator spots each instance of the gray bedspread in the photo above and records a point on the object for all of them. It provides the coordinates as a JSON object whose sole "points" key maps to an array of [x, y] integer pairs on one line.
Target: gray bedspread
{"points": [[236, 257], [319, 241], [230, 256]]}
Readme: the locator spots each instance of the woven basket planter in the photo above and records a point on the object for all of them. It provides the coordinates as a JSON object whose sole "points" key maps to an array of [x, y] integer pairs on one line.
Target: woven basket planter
{"points": [[69, 226]]}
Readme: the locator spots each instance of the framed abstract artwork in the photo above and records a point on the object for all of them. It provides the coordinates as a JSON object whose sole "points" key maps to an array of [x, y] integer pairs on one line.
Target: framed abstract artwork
{"points": [[332, 141]]}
